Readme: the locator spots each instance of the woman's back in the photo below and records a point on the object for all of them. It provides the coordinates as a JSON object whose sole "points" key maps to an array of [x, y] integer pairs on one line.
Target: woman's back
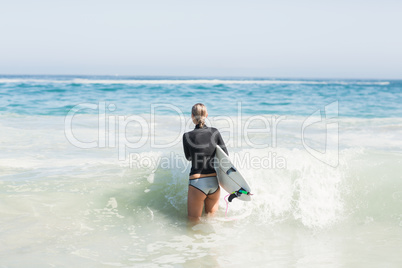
{"points": [[199, 148]]}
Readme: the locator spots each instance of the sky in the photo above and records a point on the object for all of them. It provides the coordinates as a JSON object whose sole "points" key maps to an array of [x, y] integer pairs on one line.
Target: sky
{"points": [[275, 39]]}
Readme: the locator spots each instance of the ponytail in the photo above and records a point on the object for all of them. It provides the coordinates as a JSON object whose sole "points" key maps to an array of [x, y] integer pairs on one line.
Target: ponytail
{"points": [[199, 111]]}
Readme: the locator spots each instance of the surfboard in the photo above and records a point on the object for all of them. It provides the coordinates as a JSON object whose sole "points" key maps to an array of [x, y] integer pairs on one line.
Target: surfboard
{"points": [[229, 177]]}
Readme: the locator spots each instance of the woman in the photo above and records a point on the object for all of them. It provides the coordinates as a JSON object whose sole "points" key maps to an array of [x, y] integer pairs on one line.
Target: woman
{"points": [[199, 148]]}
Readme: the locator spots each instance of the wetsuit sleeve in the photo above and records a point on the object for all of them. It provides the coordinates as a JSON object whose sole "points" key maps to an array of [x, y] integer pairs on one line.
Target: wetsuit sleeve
{"points": [[186, 148], [221, 143]]}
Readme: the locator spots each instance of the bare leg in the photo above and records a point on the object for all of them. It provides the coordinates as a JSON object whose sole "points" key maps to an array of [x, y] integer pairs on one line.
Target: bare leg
{"points": [[195, 204], [212, 202]]}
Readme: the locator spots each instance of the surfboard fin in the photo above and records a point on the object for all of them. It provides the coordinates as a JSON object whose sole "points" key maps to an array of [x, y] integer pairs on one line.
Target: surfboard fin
{"points": [[230, 170], [237, 194]]}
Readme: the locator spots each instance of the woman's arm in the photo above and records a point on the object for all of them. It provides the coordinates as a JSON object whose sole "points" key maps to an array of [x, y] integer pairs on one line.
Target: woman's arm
{"points": [[220, 142], [186, 148]]}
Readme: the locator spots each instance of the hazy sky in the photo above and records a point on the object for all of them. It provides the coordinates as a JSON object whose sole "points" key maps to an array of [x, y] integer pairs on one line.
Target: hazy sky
{"points": [[323, 39]]}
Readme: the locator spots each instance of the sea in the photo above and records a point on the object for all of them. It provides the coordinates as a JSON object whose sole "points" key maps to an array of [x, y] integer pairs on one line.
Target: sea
{"points": [[93, 174]]}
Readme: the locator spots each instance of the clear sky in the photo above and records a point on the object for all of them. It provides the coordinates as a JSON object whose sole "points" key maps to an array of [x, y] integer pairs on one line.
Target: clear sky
{"points": [[301, 39]]}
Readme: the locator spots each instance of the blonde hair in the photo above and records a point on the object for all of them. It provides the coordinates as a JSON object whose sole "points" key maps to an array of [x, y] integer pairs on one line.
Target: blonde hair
{"points": [[199, 111]]}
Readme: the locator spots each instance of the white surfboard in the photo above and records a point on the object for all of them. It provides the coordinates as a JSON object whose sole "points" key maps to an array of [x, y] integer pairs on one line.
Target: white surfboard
{"points": [[229, 177]]}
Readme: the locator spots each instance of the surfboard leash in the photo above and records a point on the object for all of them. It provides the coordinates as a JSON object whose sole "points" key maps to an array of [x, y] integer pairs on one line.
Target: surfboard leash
{"points": [[233, 195], [238, 193], [227, 205]]}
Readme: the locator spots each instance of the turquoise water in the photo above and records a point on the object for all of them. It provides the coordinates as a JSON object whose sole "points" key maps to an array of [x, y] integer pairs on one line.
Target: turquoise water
{"points": [[55, 95], [92, 172]]}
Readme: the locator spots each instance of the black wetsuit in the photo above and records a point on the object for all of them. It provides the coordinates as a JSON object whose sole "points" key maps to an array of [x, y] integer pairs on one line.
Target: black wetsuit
{"points": [[200, 147]]}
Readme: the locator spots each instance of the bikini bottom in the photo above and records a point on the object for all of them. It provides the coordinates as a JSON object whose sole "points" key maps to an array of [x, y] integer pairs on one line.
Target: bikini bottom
{"points": [[207, 185]]}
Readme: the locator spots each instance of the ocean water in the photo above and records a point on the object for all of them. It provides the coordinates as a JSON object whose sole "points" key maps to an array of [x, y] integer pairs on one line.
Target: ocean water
{"points": [[92, 172]]}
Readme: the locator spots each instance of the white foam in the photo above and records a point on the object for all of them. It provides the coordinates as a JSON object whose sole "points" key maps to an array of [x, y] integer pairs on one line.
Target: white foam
{"points": [[54, 196]]}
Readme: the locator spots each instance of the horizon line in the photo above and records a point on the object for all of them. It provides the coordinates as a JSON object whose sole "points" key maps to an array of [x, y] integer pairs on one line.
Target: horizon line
{"points": [[202, 77]]}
